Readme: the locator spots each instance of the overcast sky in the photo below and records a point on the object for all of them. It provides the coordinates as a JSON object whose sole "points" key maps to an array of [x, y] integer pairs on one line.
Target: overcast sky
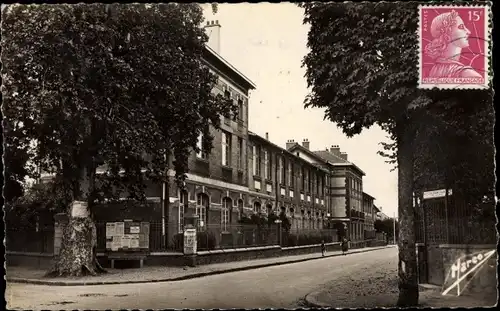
{"points": [[267, 42]]}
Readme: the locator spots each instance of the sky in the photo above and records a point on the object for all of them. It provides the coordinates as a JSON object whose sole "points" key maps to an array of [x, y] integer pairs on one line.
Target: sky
{"points": [[267, 42]]}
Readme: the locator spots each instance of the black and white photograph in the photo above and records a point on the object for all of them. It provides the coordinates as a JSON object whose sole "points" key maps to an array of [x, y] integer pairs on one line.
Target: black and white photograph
{"points": [[287, 155]]}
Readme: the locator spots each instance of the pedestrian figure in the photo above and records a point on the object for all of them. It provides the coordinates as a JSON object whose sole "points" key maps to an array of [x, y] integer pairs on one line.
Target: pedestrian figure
{"points": [[345, 246], [323, 248]]}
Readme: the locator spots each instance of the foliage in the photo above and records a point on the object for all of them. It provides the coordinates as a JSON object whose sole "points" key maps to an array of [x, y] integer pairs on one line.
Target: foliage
{"points": [[387, 226], [286, 225], [362, 69], [258, 220], [455, 149], [15, 158], [43, 198], [96, 85]]}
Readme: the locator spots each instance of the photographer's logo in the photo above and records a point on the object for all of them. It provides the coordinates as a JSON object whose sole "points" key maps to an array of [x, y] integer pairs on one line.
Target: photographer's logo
{"points": [[462, 268]]}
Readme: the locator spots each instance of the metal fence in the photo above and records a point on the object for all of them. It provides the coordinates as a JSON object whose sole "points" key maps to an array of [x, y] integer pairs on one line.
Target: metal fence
{"points": [[213, 236], [454, 223], [30, 238], [308, 237]]}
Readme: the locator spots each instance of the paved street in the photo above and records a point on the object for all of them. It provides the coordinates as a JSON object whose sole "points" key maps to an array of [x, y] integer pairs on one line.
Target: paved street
{"points": [[274, 287]]}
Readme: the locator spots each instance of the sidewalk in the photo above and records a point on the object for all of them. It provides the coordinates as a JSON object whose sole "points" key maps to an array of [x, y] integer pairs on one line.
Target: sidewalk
{"points": [[372, 289], [162, 274]]}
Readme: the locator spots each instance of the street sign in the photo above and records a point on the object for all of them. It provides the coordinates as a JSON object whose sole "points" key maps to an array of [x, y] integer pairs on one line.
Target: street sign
{"points": [[434, 194]]}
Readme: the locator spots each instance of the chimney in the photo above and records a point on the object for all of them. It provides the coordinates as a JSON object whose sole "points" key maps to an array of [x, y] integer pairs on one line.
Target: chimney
{"points": [[212, 29], [343, 155], [305, 143], [335, 149], [267, 136], [289, 144]]}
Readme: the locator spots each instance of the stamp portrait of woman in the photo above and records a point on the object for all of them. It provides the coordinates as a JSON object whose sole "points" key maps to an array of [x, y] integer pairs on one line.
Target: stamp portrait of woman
{"points": [[449, 37]]}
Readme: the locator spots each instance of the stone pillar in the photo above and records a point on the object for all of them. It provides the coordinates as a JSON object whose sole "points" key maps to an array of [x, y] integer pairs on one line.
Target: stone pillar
{"points": [[60, 221], [190, 240]]}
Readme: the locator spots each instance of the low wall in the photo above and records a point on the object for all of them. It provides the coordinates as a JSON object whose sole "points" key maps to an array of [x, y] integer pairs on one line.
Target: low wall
{"points": [[228, 255], [309, 249], [203, 257], [35, 260]]}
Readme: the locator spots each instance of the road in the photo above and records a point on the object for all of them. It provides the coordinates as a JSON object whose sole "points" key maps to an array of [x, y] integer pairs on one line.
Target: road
{"points": [[273, 287]]}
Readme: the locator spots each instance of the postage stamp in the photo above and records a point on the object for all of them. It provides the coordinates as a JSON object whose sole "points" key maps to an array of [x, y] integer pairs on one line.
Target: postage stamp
{"points": [[454, 44]]}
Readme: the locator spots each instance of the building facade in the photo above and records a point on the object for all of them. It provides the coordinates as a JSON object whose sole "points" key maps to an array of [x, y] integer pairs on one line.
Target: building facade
{"points": [[344, 183], [368, 209], [216, 188], [279, 181]]}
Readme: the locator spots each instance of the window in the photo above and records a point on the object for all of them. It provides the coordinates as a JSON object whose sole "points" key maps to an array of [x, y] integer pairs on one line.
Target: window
{"points": [[201, 209], [240, 108], [183, 203], [312, 182], [267, 170], [226, 149], [256, 161], [199, 144], [240, 154], [308, 177], [289, 175], [227, 96], [227, 206], [303, 177], [256, 207], [282, 170], [318, 184]]}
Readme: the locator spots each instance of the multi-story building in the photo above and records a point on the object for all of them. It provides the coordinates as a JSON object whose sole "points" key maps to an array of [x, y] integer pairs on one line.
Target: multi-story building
{"points": [[282, 182], [345, 187], [368, 209], [216, 187]]}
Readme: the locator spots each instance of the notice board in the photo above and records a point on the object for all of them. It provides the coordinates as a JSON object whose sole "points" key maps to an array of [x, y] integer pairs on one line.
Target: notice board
{"points": [[127, 235]]}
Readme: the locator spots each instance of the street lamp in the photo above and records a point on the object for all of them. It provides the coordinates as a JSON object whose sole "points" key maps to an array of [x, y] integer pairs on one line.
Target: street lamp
{"points": [[278, 221]]}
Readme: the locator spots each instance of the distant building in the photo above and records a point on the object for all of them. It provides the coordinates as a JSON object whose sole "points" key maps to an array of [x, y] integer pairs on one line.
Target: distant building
{"points": [[281, 182], [369, 210], [345, 186]]}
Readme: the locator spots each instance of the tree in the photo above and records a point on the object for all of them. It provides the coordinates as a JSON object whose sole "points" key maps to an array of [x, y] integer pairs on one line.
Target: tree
{"points": [[111, 87], [362, 68], [16, 156], [387, 226]]}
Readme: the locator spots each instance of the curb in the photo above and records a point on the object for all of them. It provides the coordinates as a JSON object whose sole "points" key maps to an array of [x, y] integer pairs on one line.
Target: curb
{"points": [[312, 301], [180, 278]]}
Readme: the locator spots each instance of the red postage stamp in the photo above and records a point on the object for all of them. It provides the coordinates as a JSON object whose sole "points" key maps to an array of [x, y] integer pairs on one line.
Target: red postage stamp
{"points": [[454, 44]]}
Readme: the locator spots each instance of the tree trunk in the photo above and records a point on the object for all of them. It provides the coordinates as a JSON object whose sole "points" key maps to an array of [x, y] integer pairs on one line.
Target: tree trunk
{"points": [[77, 256], [407, 265]]}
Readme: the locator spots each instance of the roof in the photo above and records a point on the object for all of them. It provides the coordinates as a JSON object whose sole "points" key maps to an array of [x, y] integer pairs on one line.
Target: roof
{"points": [[327, 155], [250, 85], [309, 152], [377, 210], [285, 151], [366, 194], [335, 160]]}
